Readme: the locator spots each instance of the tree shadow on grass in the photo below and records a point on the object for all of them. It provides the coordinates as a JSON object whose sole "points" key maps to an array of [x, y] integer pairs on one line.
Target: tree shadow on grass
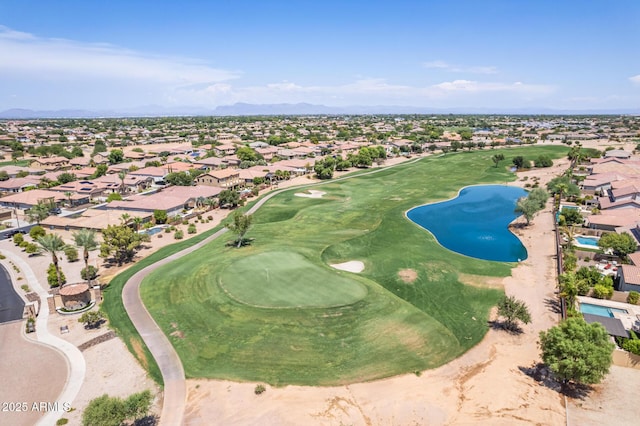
{"points": [[504, 326], [541, 374]]}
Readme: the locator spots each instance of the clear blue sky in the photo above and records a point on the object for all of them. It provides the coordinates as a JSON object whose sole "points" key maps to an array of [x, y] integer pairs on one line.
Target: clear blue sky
{"points": [[508, 54]]}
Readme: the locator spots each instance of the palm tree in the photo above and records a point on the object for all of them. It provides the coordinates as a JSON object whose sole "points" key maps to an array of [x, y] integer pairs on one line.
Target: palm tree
{"points": [[86, 240], [38, 212], [52, 243], [125, 218], [68, 194], [137, 221], [122, 175]]}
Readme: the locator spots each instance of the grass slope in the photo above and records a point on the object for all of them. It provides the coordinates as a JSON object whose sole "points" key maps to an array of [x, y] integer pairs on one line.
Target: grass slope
{"points": [[396, 327]]}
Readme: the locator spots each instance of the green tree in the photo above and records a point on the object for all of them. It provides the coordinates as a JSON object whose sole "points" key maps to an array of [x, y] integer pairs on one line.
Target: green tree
{"points": [[497, 158], [86, 240], [55, 278], [562, 185], [528, 208], [246, 153], [160, 216], [121, 242], [570, 217], [52, 244], [179, 179], [36, 231], [513, 310], [576, 351], [114, 196], [633, 297], [229, 197], [116, 156], [455, 145], [66, 177], [71, 253], [122, 175], [518, 161], [38, 213], [98, 147], [91, 319], [241, 224], [543, 161], [621, 244], [101, 170], [3, 175]]}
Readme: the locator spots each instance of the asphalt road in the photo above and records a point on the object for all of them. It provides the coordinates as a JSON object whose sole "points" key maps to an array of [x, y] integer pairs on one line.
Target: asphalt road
{"points": [[11, 304]]}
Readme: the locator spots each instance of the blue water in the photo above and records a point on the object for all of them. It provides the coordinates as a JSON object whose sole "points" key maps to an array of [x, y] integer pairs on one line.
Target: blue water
{"points": [[476, 222], [603, 311], [588, 241], [151, 231]]}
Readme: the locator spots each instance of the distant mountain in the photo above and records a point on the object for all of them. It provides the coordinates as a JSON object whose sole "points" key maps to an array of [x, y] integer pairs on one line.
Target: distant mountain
{"points": [[244, 109]]}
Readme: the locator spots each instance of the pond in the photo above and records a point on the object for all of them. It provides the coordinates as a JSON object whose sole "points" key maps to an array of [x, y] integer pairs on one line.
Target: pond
{"points": [[475, 223]]}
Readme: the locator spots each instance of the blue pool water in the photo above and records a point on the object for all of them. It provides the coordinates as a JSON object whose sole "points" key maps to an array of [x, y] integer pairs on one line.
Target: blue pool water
{"points": [[588, 241], [475, 223], [151, 231], [603, 311]]}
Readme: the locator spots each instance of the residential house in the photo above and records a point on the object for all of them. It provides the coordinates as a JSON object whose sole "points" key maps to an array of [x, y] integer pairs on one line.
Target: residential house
{"points": [[209, 163], [27, 199], [173, 200], [19, 184], [628, 278], [225, 149], [225, 178], [50, 163]]}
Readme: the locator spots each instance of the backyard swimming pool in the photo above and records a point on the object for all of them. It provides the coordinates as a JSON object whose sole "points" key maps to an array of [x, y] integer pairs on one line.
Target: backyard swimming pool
{"points": [[603, 311], [475, 223], [587, 241], [152, 231]]}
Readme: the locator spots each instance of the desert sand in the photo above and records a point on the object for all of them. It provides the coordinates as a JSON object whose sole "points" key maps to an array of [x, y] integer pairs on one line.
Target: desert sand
{"points": [[354, 266], [310, 194]]}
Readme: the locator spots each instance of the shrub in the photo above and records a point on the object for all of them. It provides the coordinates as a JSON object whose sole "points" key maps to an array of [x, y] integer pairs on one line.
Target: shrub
{"points": [[62, 421], [37, 231], [209, 217], [602, 292], [259, 389], [633, 297], [2, 257], [178, 235], [24, 244], [71, 253], [89, 273], [632, 345], [114, 196], [18, 238], [191, 229], [25, 288], [31, 248], [52, 277], [160, 216], [199, 217]]}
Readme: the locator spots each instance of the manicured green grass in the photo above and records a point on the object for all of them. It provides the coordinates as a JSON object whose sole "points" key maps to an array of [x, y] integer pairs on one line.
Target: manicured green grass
{"points": [[288, 280], [20, 163], [229, 331]]}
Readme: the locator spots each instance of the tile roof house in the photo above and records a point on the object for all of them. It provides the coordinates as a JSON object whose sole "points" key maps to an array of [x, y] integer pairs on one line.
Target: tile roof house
{"points": [[225, 178], [628, 278], [50, 163], [27, 199]]}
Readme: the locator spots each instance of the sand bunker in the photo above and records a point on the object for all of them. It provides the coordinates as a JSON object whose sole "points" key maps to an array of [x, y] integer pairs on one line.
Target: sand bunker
{"points": [[310, 194], [354, 266]]}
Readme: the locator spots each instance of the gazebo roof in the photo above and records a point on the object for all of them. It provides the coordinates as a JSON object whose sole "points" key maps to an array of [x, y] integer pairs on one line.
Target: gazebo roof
{"points": [[73, 289]]}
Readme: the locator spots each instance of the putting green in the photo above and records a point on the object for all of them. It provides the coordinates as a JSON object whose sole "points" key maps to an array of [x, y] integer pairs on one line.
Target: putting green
{"points": [[287, 280]]}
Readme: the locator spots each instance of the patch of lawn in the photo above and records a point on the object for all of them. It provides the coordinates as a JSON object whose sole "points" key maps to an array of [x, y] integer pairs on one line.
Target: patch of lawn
{"points": [[399, 325], [288, 280]]}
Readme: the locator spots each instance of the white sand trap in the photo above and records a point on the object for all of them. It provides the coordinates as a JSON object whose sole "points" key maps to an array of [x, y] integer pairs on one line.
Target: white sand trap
{"points": [[354, 266], [310, 194]]}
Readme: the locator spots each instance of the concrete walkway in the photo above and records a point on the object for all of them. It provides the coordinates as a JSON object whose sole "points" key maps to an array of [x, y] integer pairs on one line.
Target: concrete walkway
{"points": [[75, 359], [175, 386]]}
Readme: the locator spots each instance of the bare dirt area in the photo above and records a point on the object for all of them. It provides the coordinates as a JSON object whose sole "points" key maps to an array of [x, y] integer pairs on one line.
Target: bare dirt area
{"points": [[407, 275], [31, 373]]}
